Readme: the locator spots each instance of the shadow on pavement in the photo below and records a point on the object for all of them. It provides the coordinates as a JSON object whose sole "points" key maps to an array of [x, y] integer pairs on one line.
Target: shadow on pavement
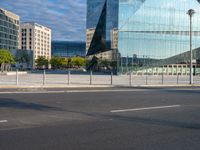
{"points": [[145, 121], [182, 91], [11, 103], [159, 122]]}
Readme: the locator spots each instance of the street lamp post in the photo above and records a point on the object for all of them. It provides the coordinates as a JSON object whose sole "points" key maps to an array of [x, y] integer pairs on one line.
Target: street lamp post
{"points": [[191, 12]]}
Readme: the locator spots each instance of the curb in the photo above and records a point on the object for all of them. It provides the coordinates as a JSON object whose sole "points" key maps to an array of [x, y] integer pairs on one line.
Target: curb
{"points": [[55, 86], [96, 86]]}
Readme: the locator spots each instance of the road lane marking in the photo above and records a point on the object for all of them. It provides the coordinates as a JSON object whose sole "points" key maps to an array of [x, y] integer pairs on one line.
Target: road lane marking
{"points": [[147, 108], [3, 121]]}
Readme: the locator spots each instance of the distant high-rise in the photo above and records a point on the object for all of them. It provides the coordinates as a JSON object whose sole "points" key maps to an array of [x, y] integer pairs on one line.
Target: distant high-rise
{"points": [[36, 37], [9, 30], [68, 49]]}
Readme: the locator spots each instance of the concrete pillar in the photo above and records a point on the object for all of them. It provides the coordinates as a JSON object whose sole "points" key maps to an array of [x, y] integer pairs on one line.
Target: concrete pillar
{"points": [[157, 71], [167, 69], [186, 70], [182, 70]]}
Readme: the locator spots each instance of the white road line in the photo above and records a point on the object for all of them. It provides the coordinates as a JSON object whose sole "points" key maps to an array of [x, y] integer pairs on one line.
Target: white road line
{"points": [[3, 121], [147, 108]]}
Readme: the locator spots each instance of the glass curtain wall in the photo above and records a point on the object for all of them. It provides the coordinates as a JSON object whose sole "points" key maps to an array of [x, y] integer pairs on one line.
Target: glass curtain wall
{"points": [[102, 34], [154, 33], [9, 31], [68, 48], [94, 10]]}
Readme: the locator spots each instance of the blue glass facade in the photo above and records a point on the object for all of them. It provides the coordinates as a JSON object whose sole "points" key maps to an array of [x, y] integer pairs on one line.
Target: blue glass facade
{"points": [[94, 9], [68, 49], [150, 32], [102, 15]]}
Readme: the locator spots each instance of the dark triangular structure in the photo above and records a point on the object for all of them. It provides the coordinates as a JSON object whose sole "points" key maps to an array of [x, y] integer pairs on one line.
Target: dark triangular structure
{"points": [[92, 63], [98, 43]]}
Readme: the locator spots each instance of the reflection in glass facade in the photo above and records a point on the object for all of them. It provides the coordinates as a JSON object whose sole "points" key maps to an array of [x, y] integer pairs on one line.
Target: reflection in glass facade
{"points": [[68, 48], [151, 33], [102, 20]]}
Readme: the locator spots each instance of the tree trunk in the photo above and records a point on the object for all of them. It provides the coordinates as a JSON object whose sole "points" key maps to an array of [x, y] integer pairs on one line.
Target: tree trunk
{"points": [[2, 67]]}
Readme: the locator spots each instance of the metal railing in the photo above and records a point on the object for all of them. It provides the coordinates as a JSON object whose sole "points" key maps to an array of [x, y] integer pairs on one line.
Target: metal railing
{"points": [[44, 78]]}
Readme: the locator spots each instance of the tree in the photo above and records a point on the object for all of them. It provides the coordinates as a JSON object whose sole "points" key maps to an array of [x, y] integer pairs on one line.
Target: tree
{"points": [[42, 62], [59, 62], [78, 61], [54, 62], [6, 59], [63, 62]]}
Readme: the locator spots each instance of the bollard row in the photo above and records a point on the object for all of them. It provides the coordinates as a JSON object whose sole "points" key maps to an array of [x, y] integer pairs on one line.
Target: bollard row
{"points": [[146, 79]]}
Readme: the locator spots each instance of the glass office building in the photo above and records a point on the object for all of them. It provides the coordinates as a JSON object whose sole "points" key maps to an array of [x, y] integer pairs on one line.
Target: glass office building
{"points": [[150, 33], [68, 48], [9, 30]]}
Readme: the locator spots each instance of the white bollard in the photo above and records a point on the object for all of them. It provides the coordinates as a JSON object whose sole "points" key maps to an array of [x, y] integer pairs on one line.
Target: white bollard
{"points": [[130, 79], [111, 78], [91, 77], [177, 78], [146, 77], [69, 73], [17, 77], [162, 75], [44, 73]]}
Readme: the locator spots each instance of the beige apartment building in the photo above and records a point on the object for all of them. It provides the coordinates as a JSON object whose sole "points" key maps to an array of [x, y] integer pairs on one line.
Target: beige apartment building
{"points": [[89, 36], [110, 55], [36, 37], [114, 38], [9, 30]]}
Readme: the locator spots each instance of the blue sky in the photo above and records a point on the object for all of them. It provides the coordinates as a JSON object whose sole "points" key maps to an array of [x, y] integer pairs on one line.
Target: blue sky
{"points": [[66, 18]]}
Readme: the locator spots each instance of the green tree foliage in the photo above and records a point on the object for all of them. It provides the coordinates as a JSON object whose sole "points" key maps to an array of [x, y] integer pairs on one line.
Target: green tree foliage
{"points": [[42, 62], [63, 62], [78, 61], [59, 62], [6, 59]]}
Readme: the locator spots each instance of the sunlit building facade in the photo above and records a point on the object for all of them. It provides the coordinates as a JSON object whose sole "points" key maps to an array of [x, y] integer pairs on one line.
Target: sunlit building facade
{"points": [[37, 38], [150, 33]]}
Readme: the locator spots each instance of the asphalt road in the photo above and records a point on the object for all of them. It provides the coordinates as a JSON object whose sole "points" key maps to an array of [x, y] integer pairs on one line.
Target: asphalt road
{"points": [[127, 119]]}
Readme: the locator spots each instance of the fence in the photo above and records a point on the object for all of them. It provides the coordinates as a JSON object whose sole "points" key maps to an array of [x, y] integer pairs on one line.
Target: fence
{"points": [[43, 78]]}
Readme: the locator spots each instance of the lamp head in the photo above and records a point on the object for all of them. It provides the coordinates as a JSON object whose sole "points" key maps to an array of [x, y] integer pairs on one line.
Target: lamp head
{"points": [[191, 12]]}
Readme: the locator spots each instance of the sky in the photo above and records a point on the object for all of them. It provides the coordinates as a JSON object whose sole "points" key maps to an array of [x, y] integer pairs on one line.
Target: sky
{"points": [[66, 18]]}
